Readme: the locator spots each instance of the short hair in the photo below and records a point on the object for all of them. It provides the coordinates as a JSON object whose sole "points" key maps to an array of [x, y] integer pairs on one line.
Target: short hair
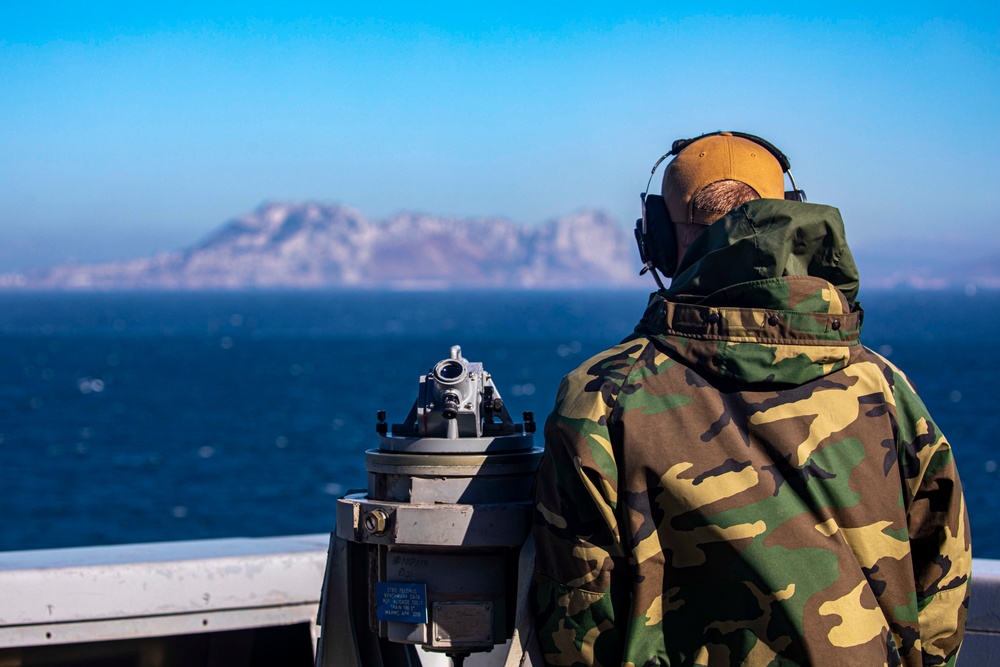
{"points": [[716, 199]]}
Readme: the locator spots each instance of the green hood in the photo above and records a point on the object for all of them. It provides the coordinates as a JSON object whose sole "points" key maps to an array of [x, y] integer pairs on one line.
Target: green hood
{"points": [[768, 238], [767, 295]]}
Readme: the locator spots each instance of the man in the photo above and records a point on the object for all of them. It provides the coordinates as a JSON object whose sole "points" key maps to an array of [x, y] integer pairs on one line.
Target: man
{"points": [[740, 481]]}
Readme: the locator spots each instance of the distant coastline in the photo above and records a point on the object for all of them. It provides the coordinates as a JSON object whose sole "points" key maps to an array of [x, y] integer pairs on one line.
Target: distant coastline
{"points": [[310, 245], [320, 246]]}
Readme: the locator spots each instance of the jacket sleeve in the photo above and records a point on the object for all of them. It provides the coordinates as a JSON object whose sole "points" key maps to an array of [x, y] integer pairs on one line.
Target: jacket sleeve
{"points": [[579, 612], [938, 527]]}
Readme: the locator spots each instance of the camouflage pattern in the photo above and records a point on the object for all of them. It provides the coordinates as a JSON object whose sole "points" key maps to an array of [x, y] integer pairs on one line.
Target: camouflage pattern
{"points": [[748, 486]]}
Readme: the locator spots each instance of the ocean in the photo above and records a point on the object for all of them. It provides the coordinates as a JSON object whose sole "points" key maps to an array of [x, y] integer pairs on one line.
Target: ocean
{"points": [[143, 417]]}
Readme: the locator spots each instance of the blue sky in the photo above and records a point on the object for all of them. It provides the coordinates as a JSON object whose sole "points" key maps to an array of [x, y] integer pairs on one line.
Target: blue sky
{"points": [[126, 130]]}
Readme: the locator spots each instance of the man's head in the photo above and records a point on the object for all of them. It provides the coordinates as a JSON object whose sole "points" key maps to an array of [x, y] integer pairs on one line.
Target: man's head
{"points": [[714, 175]]}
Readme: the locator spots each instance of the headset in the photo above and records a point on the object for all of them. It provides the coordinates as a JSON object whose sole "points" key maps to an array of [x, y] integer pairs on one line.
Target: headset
{"points": [[655, 233]]}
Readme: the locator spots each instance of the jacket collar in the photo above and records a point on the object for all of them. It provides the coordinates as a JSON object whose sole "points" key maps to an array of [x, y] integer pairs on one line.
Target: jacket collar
{"points": [[766, 239], [792, 310]]}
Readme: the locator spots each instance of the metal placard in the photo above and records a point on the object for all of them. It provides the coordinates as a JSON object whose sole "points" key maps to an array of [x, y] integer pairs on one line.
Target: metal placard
{"points": [[401, 603], [462, 624]]}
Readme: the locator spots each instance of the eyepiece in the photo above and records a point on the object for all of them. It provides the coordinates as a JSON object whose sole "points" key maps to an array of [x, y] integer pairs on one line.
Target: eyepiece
{"points": [[449, 371]]}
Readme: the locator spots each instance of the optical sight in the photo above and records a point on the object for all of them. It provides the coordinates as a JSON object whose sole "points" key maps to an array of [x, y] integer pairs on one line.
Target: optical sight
{"points": [[429, 554]]}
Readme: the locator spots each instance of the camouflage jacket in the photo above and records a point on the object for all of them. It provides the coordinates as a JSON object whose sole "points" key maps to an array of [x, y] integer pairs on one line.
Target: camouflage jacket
{"points": [[741, 482]]}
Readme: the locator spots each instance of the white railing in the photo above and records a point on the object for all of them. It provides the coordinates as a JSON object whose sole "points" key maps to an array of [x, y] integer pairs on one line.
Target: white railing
{"points": [[61, 597]]}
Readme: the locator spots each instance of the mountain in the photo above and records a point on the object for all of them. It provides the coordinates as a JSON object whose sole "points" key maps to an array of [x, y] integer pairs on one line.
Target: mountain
{"points": [[312, 245]]}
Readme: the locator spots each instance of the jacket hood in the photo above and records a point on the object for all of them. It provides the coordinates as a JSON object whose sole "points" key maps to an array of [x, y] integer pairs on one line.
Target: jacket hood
{"points": [[768, 238], [767, 295]]}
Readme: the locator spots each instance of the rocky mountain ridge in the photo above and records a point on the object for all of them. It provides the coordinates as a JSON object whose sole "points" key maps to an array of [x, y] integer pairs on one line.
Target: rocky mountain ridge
{"points": [[310, 245]]}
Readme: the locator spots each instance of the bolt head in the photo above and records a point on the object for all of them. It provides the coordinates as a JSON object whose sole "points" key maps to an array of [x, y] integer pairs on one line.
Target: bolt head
{"points": [[376, 522]]}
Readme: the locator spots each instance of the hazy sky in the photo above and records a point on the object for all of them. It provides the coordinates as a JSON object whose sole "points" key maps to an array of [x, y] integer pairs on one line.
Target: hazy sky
{"points": [[126, 130]]}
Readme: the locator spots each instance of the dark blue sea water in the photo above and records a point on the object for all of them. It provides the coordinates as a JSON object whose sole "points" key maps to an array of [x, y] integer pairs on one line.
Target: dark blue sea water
{"points": [[148, 417]]}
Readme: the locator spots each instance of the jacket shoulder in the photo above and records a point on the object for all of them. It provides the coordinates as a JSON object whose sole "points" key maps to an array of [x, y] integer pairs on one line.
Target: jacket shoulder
{"points": [[591, 391]]}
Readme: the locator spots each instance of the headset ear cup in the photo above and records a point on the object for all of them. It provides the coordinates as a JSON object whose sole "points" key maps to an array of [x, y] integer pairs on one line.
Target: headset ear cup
{"points": [[640, 242], [661, 236]]}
